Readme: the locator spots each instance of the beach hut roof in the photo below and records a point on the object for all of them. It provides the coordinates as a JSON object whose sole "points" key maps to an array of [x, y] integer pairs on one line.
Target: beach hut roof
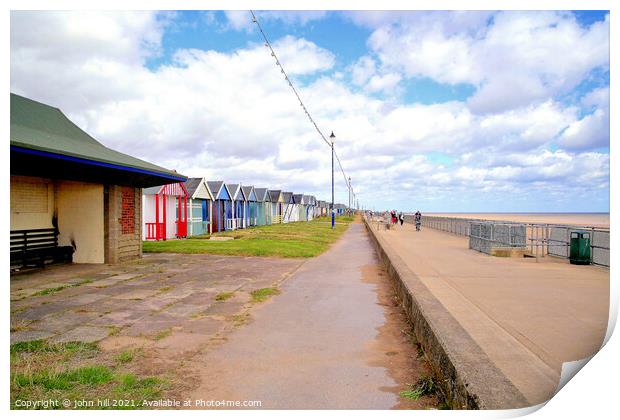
{"points": [[248, 191], [176, 189], [198, 188], [192, 184], [261, 194], [274, 195], [219, 190], [298, 199], [235, 190], [287, 197], [43, 131]]}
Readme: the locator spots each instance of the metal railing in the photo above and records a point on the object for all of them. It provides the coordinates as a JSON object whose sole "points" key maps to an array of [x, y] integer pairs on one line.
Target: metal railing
{"points": [[541, 238], [554, 240], [154, 230], [484, 236], [453, 225]]}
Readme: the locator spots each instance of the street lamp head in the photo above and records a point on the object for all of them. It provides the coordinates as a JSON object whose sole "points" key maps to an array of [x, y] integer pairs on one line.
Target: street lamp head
{"points": [[332, 137]]}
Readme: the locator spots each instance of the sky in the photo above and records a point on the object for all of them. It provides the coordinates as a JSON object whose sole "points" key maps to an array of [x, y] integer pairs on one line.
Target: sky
{"points": [[434, 110]]}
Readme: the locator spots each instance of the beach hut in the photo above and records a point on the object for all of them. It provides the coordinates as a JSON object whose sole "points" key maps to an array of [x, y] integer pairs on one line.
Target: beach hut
{"points": [[310, 206], [250, 205], [277, 206], [315, 207], [320, 208], [287, 207], [300, 207], [164, 212], [222, 207], [263, 206], [71, 197], [237, 214], [200, 206]]}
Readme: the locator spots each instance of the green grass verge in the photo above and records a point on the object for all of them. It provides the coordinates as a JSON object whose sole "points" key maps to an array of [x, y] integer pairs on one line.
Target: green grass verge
{"points": [[76, 371], [298, 239]]}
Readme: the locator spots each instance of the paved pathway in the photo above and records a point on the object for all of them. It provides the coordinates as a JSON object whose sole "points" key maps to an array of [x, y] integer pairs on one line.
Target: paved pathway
{"points": [[328, 341], [137, 302], [528, 317]]}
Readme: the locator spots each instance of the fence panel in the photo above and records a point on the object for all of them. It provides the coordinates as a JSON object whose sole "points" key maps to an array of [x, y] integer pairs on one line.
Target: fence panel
{"points": [[554, 239]]}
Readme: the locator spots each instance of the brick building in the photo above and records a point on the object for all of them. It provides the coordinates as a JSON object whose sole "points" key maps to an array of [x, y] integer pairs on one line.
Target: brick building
{"points": [[64, 179]]}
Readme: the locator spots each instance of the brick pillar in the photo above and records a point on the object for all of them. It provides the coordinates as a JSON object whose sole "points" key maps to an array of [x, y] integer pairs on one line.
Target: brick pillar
{"points": [[122, 223]]}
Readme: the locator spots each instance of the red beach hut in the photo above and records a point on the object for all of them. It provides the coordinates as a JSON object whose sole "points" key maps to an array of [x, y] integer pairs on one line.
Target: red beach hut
{"points": [[165, 212]]}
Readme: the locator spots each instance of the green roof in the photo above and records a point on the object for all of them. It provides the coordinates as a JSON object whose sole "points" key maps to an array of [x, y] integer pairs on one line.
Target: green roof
{"points": [[43, 128]]}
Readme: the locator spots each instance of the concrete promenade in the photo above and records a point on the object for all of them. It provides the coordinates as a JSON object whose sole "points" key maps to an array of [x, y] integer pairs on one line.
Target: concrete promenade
{"points": [[526, 317], [331, 340]]}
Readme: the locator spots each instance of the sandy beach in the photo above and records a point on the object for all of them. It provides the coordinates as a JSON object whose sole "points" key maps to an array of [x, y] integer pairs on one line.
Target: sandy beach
{"points": [[580, 219]]}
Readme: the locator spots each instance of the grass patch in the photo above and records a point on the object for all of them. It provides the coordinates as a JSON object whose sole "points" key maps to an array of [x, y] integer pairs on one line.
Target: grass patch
{"points": [[424, 386], [113, 330], [20, 328], [53, 290], [51, 379], [240, 319], [42, 371], [42, 346], [223, 296], [262, 295], [163, 334], [125, 356], [140, 389], [298, 239]]}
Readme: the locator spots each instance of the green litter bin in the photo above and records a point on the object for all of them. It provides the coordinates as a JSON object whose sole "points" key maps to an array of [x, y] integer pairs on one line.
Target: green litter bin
{"points": [[580, 247]]}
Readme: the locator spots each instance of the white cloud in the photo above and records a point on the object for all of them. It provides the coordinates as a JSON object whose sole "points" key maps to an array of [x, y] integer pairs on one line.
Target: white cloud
{"points": [[446, 60], [363, 69], [592, 130], [386, 82], [589, 132], [56, 53], [239, 20], [526, 128], [519, 59], [598, 97]]}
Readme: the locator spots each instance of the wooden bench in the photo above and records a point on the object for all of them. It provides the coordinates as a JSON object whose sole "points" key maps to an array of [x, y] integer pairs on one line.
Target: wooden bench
{"points": [[35, 247]]}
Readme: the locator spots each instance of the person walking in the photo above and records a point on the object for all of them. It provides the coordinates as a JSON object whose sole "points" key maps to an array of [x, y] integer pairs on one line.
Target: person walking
{"points": [[401, 218], [393, 214], [418, 220]]}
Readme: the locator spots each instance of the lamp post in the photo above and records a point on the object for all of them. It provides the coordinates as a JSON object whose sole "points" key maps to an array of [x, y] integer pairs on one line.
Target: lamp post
{"points": [[349, 194], [332, 137]]}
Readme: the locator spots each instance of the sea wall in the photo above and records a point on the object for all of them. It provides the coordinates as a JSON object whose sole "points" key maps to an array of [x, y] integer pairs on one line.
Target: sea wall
{"points": [[465, 374]]}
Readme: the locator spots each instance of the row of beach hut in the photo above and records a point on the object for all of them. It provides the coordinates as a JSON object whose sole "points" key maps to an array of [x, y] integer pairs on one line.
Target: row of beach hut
{"points": [[199, 207], [73, 198]]}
